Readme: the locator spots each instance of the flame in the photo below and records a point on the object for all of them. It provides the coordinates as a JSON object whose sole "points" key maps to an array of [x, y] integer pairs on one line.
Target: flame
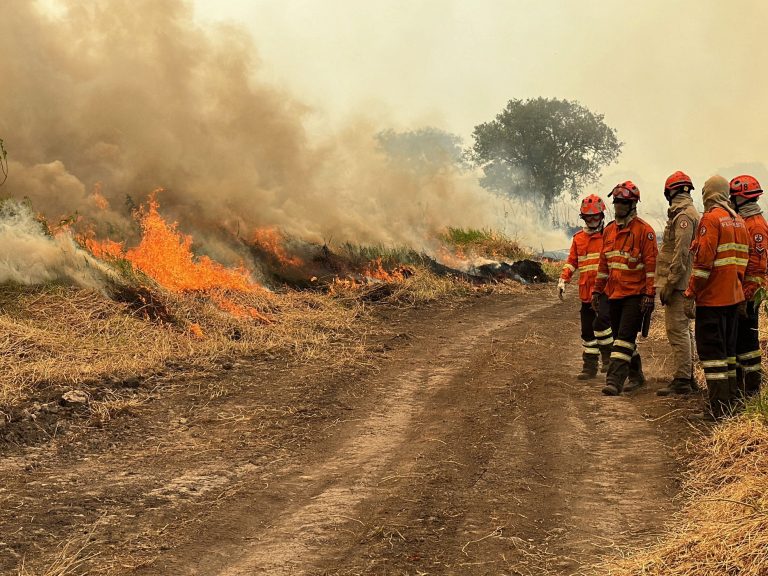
{"points": [[98, 197], [165, 255], [271, 240], [456, 258], [104, 249], [376, 270]]}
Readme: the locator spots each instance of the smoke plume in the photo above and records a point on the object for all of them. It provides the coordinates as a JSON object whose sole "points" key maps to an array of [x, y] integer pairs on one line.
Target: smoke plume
{"points": [[106, 101]]}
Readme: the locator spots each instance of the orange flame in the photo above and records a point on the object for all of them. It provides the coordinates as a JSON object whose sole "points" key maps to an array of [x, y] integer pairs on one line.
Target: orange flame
{"points": [[376, 270], [165, 255], [271, 241]]}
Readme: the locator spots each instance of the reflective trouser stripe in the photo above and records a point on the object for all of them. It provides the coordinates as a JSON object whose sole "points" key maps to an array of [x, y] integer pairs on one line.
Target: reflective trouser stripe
{"points": [[605, 342], [749, 355], [601, 333], [714, 363], [624, 344], [717, 376], [619, 356], [753, 368]]}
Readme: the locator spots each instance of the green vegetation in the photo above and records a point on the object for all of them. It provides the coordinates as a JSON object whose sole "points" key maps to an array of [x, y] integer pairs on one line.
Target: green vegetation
{"points": [[484, 242]]}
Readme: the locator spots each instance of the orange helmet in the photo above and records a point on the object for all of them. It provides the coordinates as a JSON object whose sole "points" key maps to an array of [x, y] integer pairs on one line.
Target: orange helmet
{"points": [[626, 191], [679, 180], [745, 186], [592, 205]]}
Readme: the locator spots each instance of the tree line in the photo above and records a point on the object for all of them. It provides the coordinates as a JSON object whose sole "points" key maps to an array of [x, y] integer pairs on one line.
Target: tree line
{"points": [[539, 149]]}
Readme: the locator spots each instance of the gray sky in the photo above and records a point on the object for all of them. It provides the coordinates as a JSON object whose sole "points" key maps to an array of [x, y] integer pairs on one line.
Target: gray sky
{"points": [[683, 82]]}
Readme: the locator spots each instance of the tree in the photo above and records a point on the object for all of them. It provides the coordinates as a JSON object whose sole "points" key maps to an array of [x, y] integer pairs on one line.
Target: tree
{"points": [[424, 151], [540, 149]]}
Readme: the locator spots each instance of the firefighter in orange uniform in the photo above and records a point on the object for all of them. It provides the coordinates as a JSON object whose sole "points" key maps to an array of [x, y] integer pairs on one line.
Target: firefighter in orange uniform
{"points": [[714, 295], [584, 256], [744, 192], [626, 276]]}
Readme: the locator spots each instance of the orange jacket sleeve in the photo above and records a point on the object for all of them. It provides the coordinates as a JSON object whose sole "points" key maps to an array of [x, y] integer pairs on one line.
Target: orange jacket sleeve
{"points": [[570, 265], [602, 273], [704, 250], [754, 276]]}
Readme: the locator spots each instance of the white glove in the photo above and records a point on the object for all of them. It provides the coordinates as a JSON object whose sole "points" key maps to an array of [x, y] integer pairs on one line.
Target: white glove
{"points": [[561, 288]]}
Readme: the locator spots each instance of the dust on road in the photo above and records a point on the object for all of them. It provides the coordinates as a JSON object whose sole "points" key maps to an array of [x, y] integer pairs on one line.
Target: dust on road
{"points": [[469, 449]]}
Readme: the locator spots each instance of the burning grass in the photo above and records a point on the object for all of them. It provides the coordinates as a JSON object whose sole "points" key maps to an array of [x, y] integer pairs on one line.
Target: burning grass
{"points": [[723, 526]]}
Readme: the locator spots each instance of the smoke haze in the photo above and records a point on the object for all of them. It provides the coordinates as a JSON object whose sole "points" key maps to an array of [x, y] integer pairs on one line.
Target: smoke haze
{"points": [[112, 99]]}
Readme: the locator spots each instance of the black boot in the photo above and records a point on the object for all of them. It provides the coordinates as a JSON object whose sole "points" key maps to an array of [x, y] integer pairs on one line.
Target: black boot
{"points": [[617, 374], [605, 358], [589, 367], [636, 376], [677, 386]]}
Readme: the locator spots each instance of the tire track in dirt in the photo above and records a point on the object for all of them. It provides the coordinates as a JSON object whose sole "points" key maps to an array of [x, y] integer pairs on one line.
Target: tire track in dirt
{"points": [[336, 487]]}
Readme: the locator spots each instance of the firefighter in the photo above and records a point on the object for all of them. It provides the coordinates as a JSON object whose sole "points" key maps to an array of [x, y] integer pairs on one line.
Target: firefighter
{"points": [[626, 276], [673, 272], [584, 256], [744, 191], [720, 254]]}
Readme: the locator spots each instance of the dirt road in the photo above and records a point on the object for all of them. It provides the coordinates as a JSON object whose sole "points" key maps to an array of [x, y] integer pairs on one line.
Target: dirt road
{"points": [[465, 446]]}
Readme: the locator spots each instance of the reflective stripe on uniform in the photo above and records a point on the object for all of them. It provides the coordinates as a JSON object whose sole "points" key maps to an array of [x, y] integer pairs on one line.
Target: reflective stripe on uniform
{"points": [[731, 260], [589, 256], [570, 267], [593, 351], [650, 275], [748, 355], [620, 266], [717, 376], [589, 343], [753, 368], [624, 344], [602, 275], [733, 246], [588, 268], [605, 341], [605, 332], [620, 356], [714, 363], [755, 279], [702, 273]]}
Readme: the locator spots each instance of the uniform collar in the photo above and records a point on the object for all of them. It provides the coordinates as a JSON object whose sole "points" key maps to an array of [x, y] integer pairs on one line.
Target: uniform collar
{"points": [[680, 201], [624, 222]]}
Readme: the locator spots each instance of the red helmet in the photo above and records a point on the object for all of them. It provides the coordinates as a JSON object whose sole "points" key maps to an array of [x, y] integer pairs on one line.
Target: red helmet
{"points": [[592, 205], [679, 180], [626, 191], [745, 186]]}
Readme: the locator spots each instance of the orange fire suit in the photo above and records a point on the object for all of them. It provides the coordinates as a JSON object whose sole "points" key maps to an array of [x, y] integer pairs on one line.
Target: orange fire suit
{"points": [[596, 336], [628, 260], [584, 257], [720, 256], [749, 372], [625, 274]]}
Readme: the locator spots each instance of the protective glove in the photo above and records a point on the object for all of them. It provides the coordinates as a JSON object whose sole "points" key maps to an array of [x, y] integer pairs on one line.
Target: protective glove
{"points": [[561, 288], [596, 302], [647, 304], [742, 309], [666, 293], [689, 307]]}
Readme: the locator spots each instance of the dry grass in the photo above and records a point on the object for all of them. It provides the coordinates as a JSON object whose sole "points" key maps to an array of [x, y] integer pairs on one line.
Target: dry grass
{"points": [[64, 337], [723, 526]]}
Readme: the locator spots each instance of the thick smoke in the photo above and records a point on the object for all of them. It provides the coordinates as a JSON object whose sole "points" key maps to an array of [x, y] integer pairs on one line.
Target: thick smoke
{"points": [[29, 256], [115, 98]]}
